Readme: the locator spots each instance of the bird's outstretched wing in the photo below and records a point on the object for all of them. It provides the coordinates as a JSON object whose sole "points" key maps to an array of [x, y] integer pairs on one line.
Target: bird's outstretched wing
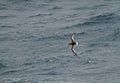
{"points": [[72, 37], [73, 50]]}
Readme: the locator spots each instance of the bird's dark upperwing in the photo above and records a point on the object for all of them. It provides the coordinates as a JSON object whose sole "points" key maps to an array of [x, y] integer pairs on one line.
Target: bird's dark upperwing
{"points": [[73, 50]]}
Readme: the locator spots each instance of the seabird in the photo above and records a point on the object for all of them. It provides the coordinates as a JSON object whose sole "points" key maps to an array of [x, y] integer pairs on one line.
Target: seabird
{"points": [[73, 43]]}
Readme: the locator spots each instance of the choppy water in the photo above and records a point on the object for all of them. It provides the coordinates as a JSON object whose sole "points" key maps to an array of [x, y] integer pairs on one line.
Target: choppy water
{"points": [[34, 36]]}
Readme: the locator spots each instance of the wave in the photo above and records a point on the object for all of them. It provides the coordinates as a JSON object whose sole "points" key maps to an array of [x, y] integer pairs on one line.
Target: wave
{"points": [[6, 16], [2, 66], [6, 37], [53, 37], [98, 44], [19, 1], [41, 15], [18, 80], [10, 71], [113, 36], [21, 36], [63, 60], [57, 8], [3, 6], [51, 73], [6, 27], [39, 60], [98, 19], [104, 18]]}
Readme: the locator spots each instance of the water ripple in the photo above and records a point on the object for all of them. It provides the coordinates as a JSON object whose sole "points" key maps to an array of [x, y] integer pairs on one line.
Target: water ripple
{"points": [[2, 66]]}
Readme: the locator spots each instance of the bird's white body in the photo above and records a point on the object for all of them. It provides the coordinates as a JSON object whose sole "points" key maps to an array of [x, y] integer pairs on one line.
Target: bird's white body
{"points": [[77, 43]]}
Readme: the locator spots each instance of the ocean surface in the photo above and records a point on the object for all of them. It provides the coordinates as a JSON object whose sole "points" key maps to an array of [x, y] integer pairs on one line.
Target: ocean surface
{"points": [[34, 37]]}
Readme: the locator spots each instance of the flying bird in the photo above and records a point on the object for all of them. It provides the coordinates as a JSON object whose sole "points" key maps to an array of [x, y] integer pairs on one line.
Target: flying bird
{"points": [[73, 43]]}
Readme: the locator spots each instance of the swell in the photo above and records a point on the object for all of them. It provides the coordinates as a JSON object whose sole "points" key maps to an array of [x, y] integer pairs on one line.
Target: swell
{"points": [[19, 80], [2, 66], [88, 7], [15, 70], [55, 36], [6, 16], [105, 18], [113, 36], [3, 6], [21, 36], [6, 27], [60, 61], [6, 37], [17, 1], [41, 15]]}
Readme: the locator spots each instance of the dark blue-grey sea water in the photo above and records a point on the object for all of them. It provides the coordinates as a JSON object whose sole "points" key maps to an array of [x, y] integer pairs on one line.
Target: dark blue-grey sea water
{"points": [[34, 37]]}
